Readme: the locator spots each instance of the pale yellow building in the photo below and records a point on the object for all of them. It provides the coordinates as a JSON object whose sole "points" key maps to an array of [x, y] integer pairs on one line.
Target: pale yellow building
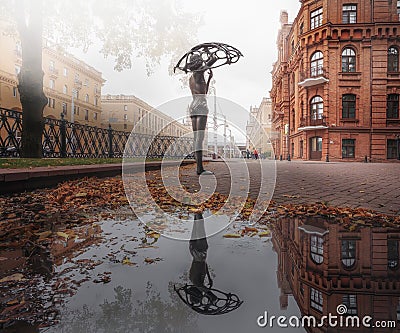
{"points": [[65, 76], [127, 113], [258, 129]]}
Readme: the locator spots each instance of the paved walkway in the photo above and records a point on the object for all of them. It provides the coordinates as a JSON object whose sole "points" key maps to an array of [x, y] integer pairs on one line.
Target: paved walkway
{"points": [[370, 185]]}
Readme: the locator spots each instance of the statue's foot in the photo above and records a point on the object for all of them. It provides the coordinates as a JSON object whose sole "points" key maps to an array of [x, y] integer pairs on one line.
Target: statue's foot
{"points": [[205, 172]]}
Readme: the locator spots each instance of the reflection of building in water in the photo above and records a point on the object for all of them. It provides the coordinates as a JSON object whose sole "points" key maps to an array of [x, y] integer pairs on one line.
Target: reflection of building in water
{"points": [[82, 237], [324, 265], [41, 258]]}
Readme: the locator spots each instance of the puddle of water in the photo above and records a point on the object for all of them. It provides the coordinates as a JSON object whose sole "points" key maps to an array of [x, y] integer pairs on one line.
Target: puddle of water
{"points": [[150, 297], [127, 279]]}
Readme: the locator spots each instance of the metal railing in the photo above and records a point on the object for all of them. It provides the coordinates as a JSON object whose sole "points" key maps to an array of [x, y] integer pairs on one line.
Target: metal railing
{"points": [[313, 72], [62, 138], [314, 120]]}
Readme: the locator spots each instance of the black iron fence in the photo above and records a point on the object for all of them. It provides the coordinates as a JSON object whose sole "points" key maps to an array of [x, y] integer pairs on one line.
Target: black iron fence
{"points": [[62, 138]]}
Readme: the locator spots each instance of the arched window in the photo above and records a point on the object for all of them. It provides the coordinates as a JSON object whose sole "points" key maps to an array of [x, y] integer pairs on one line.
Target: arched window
{"points": [[65, 89], [317, 108], [348, 60], [317, 63], [393, 59], [348, 106], [317, 249], [348, 253]]}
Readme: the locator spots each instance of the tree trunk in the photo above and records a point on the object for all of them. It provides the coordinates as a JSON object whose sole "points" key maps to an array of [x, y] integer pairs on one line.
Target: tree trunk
{"points": [[30, 84]]}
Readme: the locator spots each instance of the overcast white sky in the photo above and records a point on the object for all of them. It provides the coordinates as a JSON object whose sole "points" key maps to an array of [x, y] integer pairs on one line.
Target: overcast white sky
{"points": [[251, 26]]}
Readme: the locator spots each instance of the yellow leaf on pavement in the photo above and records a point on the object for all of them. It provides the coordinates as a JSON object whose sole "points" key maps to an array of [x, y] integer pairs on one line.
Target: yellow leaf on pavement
{"points": [[126, 261], [231, 236], [62, 234]]}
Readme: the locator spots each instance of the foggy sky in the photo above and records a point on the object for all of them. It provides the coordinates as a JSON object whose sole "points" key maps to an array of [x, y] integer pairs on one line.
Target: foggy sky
{"points": [[251, 26]]}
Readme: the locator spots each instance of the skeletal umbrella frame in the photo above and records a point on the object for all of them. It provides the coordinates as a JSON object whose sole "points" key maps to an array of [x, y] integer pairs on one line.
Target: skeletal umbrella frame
{"points": [[208, 301], [224, 53]]}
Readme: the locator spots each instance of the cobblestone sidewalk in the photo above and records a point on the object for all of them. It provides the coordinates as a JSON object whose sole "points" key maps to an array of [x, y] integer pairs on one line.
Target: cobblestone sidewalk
{"points": [[369, 185]]}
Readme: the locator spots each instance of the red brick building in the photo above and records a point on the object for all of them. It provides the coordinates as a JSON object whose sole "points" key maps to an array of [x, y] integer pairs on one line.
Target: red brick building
{"points": [[324, 265], [336, 83]]}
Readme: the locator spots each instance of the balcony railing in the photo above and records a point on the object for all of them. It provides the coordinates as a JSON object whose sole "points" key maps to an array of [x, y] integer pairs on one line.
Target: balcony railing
{"points": [[77, 84], [313, 76], [53, 71], [311, 121]]}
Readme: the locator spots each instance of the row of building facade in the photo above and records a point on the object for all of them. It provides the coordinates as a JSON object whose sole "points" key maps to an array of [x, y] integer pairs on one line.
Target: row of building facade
{"points": [[74, 89], [324, 265], [258, 129], [336, 82]]}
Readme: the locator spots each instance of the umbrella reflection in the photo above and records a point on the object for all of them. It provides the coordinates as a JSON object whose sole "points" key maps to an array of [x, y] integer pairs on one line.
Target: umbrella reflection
{"points": [[200, 296]]}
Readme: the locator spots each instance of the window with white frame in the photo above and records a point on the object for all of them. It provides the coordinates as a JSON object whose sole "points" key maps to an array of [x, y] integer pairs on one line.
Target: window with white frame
{"points": [[317, 64], [317, 108], [348, 252], [398, 8], [317, 248], [348, 60], [316, 300], [349, 13], [316, 18], [393, 59], [351, 304]]}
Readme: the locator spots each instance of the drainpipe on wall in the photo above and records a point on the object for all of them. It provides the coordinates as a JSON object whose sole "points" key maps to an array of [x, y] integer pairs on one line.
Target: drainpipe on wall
{"points": [[370, 99], [370, 87], [288, 134]]}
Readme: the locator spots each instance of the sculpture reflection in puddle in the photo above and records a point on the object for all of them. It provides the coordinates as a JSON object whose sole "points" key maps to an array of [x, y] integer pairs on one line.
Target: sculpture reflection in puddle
{"points": [[200, 295]]}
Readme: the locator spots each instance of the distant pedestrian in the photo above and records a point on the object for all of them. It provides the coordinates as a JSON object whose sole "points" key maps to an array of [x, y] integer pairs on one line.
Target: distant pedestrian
{"points": [[248, 155], [256, 154]]}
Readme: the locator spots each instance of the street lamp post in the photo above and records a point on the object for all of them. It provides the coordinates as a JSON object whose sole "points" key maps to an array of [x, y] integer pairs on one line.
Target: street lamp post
{"points": [[225, 126], [73, 106], [230, 143], [73, 141], [216, 125], [215, 121]]}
